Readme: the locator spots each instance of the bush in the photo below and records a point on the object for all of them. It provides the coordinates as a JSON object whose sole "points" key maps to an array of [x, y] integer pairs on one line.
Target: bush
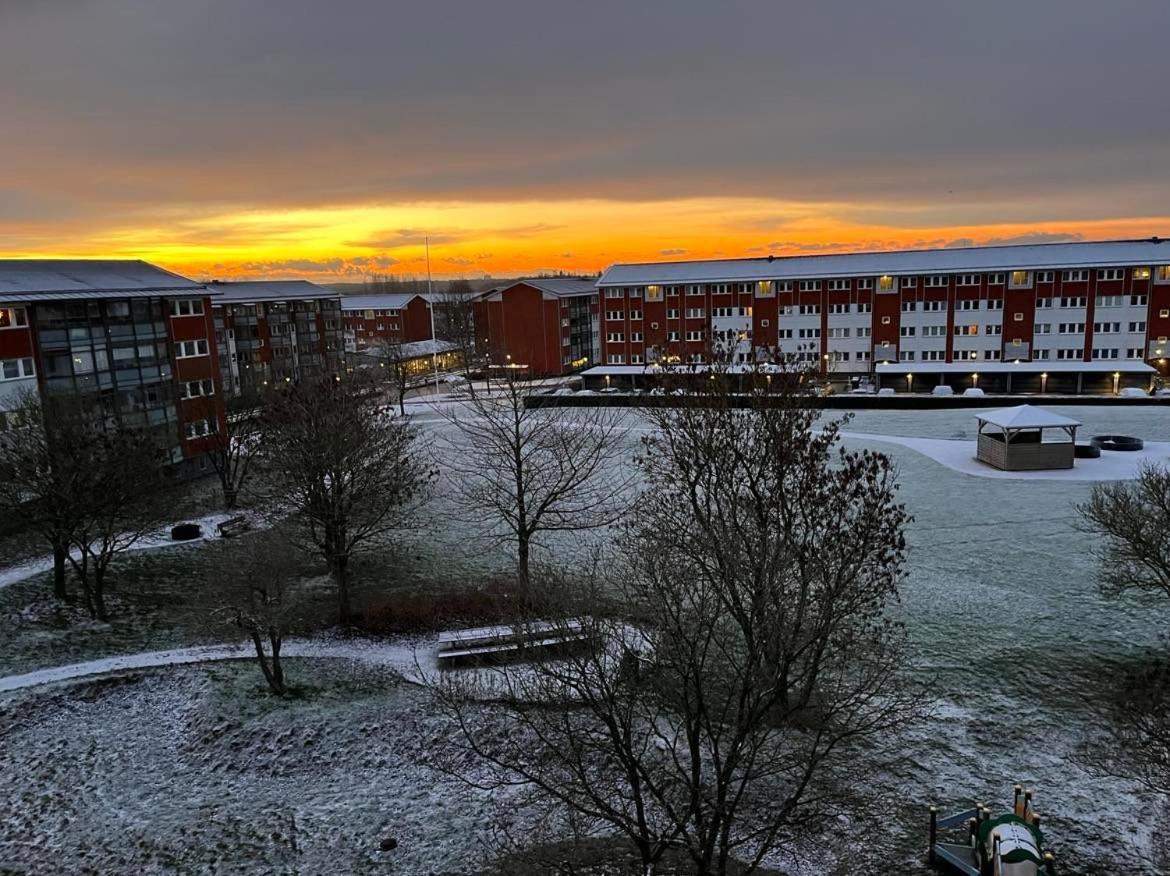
{"points": [[428, 612]]}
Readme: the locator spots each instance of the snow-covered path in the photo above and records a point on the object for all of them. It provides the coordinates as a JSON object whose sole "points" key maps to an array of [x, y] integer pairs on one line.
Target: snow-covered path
{"points": [[160, 538], [400, 657]]}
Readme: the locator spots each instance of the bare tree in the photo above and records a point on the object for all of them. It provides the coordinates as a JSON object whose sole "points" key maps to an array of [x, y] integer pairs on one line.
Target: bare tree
{"points": [[755, 652], [1134, 516], [349, 471], [394, 365], [456, 324], [235, 447], [35, 486], [535, 470], [263, 600]]}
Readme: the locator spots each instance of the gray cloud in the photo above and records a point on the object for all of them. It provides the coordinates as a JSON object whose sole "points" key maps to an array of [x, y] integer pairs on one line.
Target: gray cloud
{"points": [[672, 252], [990, 115]]}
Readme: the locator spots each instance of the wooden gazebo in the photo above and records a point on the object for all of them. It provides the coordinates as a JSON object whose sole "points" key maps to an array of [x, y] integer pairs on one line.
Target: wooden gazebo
{"points": [[1026, 438]]}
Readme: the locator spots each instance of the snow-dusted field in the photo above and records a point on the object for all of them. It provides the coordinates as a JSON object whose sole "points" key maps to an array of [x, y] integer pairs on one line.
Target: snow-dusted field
{"points": [[1006, 626]]}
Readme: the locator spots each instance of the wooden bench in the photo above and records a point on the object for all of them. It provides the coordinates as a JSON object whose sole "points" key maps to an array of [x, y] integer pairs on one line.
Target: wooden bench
{"points": [[502, 642], [234, 526]]}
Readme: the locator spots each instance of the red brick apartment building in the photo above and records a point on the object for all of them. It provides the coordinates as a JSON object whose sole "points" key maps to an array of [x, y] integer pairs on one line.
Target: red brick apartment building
{"points": [[273, 332], [136, 340], [550, 325], [385, 319], [1065, 317]]}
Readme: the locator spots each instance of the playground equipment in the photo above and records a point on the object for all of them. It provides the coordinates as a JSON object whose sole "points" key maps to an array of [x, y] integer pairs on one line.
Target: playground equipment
{"points": [[1009, 844]]}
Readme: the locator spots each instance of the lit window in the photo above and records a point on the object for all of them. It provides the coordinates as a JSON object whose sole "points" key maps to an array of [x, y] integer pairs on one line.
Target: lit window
{"points": [[13, 317], [1020, 280], [1141, 273]]}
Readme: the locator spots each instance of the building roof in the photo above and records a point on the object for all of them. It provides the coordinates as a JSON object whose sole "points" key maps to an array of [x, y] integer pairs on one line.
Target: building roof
{"points": [[58, 279], [558, 287], [1024, 417], [1108, 253], [246, 291], [378, 301], [1120, 366]]}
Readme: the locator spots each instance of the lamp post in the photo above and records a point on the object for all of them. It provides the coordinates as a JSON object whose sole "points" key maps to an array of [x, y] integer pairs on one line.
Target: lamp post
{"points": [[1043, 382]]}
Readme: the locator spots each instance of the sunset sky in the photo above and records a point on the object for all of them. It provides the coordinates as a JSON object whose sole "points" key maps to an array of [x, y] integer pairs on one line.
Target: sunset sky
{"points": [[326, 140]]}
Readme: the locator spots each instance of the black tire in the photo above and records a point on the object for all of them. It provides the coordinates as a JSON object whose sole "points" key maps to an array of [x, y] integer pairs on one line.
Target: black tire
{"points": [[1087, 451], [186, 532], [1122, 443]]}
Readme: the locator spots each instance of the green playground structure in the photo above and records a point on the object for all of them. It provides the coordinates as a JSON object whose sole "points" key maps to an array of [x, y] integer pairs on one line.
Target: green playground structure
{"points": [[984, 844]]}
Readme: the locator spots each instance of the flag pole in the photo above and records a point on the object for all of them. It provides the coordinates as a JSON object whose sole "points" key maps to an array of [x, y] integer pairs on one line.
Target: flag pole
{"points": [[431, 311]]}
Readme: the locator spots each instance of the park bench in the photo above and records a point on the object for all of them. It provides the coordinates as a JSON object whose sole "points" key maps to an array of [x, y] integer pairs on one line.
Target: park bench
{"points": [[233, 526], [503, 642]]}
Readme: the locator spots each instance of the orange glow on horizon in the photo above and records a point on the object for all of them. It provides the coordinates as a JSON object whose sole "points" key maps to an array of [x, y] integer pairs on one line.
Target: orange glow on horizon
{"points": [[346, 243]]}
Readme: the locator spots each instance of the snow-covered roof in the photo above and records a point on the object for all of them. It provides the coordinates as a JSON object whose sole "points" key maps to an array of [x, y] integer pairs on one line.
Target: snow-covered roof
{"points": [[1108, 253], [378, 301], [1122, 366], [558, 287], [56, 279], [243, 291], [411, 349], [1024, 417]]}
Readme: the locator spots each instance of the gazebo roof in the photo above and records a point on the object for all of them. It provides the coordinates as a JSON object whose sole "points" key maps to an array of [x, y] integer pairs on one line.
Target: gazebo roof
{"points": [[1025, 417]]}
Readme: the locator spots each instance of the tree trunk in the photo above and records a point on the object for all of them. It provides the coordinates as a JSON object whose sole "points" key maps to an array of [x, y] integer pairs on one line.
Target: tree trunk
{"points": [[275, 638], [522, 558], [229, 497], [99, 594], [341, 577], [60, 554], [273, 674]]}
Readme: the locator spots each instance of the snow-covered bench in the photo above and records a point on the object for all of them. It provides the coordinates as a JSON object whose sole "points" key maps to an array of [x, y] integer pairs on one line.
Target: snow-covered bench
{"points": [[504, 641], [233, 526]]}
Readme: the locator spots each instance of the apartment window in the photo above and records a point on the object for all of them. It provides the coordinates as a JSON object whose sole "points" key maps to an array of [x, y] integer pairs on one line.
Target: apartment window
{"points": [[1042, 328], [862, 355], [1110, 300], [615, 337], [616, 359], [635, 314], [810, 285], [1074, 276], [838, 308], [1041, 303], [615, 292], [809, 333], [695, 335], [865, 283], [967, 304], [718, 288], [672, 313], [722, 311], [1162, 274], [1135, 353], [908, 282], [1045, 276], [838, 332], [935, 281], [993, 330], [614, 315], [1074, 302], [1138, 300], [636, 359], [653, 293], [907, 331], [995, 279], [1106, 328], [838, 285], [198, 388], [905, 355], [839, 355], [13, 317], [1068, 353], [783, 285], [967, 280], [1137, 326], [864, 331], [784, 334], [961, 355], [1106, 274], [636, 292], [15, 369], [934, 355], [885, 284], [961, 330], [187, 307], [934, 331], [694, 289], [1071, 328], [695, 313], [764, 289], [190, 349], [995, 304], [200, 428], [672, 336], [864, 307], [991, 355], [909, 306], [1020, 280], [1105, 352], [636, 337], [810, 309]]}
